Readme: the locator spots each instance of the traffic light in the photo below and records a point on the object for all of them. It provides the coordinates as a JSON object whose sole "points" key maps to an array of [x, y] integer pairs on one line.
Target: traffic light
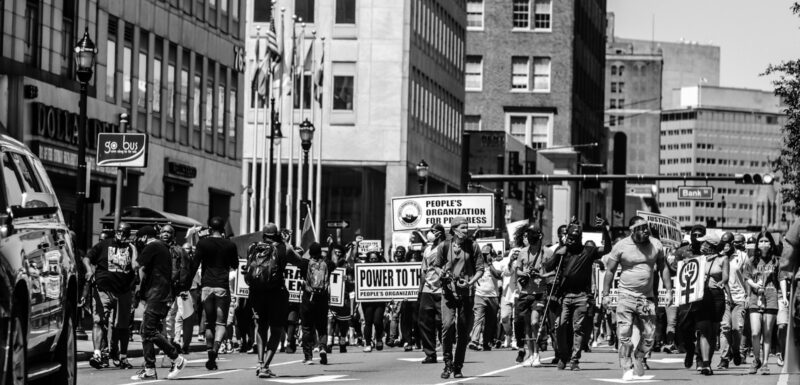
{"points": [[755, 179]]}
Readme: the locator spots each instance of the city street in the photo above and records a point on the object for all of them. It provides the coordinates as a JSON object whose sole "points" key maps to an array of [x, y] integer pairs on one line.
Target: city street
{"points": [[393, 366]]}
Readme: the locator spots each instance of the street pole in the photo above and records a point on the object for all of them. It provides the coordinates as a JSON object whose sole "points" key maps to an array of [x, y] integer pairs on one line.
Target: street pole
{"points": [[123, 125], [270, 183], [80, 207], [723, 211]]}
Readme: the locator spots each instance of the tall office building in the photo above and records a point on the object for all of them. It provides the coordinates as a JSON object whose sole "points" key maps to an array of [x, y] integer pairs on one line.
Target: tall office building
{"points": [[535, 69], [174, 67], [718, 131], [392, 95]]}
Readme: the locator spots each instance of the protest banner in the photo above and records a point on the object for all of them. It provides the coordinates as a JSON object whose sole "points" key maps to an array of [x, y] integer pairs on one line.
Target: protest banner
{"points": [[499, 245], [294, 283], [337, 288], [595, 237], [422, 211], [242, 289], [691, 278], [400, 238], [613, 292], [380, 282], [369, 244], [666, 229]]}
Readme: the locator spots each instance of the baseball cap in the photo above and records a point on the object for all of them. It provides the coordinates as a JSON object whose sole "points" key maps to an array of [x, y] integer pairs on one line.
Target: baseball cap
{"points": [[458, 221], [146, 231], [699, 229]]}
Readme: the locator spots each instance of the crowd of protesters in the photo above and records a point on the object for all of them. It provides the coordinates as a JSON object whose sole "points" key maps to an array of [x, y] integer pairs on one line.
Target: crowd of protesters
{"points": [[569, 297]]}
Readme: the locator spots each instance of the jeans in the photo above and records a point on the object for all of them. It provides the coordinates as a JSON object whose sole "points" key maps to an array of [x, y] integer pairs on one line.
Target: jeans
{"points": [[732, 335], [634, 311], [409, 327], [570, 329], [216, 304], [456, 324], [152, 324], [314, 321], [373, 316], [485, 316], [430, 320]]}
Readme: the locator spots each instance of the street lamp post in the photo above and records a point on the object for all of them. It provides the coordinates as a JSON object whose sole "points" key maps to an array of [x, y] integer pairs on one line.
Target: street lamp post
{"points": [[541, 204], [422, 175], [306, 136], [723, 211], [85, 53]]}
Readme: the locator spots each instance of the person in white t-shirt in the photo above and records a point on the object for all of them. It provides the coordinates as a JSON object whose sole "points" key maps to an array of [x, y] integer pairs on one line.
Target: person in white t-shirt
{"points": [[486, 303], [508, 294], [732, 326]]}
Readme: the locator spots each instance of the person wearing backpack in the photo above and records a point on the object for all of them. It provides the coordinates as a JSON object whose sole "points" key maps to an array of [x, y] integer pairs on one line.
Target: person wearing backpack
{"points": [[314, 306], [217, 256], [462, 266], [181, 278], [268, 296]]}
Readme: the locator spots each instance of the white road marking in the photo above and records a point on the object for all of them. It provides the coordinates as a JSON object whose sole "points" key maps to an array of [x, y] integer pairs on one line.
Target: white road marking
{"points": [[182, 377], [482, 375], [666, 360], [316, 379], [635, 380], [417, 359]]}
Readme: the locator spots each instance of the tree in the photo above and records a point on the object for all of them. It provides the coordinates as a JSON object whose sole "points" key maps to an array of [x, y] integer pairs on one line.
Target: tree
{"points": [[787, 87]]}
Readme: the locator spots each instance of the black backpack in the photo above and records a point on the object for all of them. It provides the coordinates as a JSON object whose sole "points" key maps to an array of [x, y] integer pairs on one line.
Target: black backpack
{"points": [[183, 269], [263, 269]]}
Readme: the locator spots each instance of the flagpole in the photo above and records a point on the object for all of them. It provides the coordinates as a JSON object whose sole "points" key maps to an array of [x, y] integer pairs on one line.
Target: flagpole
{"points": [[290, 188], [254, 161], [265, 167], [320, 130], [301, 62], [279, 163], [311, 151]]}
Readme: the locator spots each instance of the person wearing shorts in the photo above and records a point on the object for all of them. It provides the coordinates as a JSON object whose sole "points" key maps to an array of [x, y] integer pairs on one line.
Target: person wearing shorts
{"points": [[761, 276]]}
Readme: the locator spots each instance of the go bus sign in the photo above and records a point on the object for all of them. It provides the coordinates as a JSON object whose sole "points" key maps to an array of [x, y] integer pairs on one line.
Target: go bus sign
{"points": [[122, 150]]}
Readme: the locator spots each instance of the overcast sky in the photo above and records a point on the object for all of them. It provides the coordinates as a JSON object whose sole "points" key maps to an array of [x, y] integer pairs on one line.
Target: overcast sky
{"points": [[751, 34]]}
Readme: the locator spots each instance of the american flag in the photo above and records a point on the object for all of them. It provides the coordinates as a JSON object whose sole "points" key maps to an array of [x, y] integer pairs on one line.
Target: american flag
{"points": [[273, 51]]}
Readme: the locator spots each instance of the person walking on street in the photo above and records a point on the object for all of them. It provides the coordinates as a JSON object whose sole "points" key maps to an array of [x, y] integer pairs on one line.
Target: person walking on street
{"points": [[486, 303], [732, 326], [373, 313], [110, 264], [314, 308], [761, 276], [217, 256], [155, 269], [638, 256], [430, 294], [462, 266]]}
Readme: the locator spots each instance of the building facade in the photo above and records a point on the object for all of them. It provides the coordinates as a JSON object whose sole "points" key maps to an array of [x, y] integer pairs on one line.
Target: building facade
{"points": [[734, 131], [535, 69], [392, 95], [175, 67]]}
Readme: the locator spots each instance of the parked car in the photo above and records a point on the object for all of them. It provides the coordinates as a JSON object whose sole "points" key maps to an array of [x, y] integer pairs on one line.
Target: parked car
{"points": [[38, 282]]}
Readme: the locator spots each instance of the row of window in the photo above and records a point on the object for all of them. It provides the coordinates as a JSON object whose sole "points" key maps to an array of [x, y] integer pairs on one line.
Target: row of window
{"points": [[439, 35], [433, 107], [684, 115], [526, 15], [524, 76], [676, 146], [720, 190], [617, 70], [616, 103], [683, 131], [615, 120], [532, 129], [617, 87], [206, 10], [729, 205], [304, 10]]}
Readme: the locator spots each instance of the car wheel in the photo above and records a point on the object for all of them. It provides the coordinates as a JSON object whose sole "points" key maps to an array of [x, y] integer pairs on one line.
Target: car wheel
{"points": [[18, 345], [65, 355]]}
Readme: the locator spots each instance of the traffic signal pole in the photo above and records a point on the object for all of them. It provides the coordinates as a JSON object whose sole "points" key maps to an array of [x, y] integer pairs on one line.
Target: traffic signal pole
{"points": [[599, 177]]}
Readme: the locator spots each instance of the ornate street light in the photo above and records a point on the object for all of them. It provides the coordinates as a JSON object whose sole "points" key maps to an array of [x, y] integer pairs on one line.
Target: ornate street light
{"points": [[85, 53], [306, 136], [422, 174], [541, 204]]}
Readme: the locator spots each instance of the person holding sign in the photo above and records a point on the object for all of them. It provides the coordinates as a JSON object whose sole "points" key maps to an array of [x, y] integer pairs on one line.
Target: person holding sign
{"points": [[576, 261], [314, 308], [761, 276], [462, 266], [638, 256], [684, 317], [373, 312], [264, 274], [430, 294]]}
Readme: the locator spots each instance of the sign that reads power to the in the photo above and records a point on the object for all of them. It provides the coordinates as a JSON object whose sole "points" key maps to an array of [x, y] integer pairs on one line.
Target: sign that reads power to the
{"points": [[122, 150]]}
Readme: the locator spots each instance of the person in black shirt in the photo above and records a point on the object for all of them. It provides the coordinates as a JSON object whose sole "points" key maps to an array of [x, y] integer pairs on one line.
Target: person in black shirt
{"points": [[576, 261], [109, 262], [217, 256], [314, 309], [155, 288]]}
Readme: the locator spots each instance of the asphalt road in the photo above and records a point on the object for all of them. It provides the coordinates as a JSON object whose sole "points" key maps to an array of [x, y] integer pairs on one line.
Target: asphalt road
{"points": [[393, 366]]}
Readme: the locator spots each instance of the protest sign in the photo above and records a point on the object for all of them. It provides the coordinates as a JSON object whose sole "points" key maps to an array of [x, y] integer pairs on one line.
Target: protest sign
{"points": [[613, 292], [499, 245], [294, 283], [371, 244], [400, 238], [595, 237], [242, 289], [337, 288], [666, 229], [691, 278], [422, 211], [380, 282]]}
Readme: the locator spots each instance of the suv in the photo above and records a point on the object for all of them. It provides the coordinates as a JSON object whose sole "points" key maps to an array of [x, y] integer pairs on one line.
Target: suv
{"points": [[38, 281]]}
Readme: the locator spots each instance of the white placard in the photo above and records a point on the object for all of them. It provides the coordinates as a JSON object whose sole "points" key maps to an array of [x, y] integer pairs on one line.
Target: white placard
{"points": [[294, 283], [665, 228], [422, 211], [380, 282], [242, 289], [337, 288], [690, 279], [499, 245], [369, 244]]}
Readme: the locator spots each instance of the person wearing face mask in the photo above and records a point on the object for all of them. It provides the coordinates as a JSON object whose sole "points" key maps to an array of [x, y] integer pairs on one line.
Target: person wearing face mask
{"points": [[110, 264], [684, 318], [732, 326], [486, 304], [761, 276], [409, 310], [576, 261], [716, 251], [430, 294], [373, 313], [463, 265], [639, 256], [528, 267]]}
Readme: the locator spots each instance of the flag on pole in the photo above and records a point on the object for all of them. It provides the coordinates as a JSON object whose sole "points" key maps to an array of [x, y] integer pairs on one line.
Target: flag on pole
{"points": [[290, 80], [309, 234], [274, 53], [318, 78], [257, 74]]}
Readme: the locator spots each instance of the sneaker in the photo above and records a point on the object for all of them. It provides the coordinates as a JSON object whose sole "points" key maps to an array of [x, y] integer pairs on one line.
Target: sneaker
{"points": [[176, 368], [528, 362], [554, 361], [328, 348], [367, 348], [96, 361], [688, 359], [264, 373], [379, 346], [520, 356], [308, 361], [407, 348], [474, 346], [211, 364], [536, 361], [573, 366], [323, 358], [145, 374], [628, 375], [779, 357], [737, 358], [487, 347], [638, 367], [104, 361], [124, 364], [753, 368], [457, 373], [594, 344], [342, 349], [723, 364], [316, 350], [446, 372], [668, 349], [430, 360], [562, 365], [390, 342], [764, 370]]}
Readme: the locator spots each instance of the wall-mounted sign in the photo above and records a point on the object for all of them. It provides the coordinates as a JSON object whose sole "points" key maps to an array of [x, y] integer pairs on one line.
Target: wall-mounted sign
{"points": [[62, 126], [181, 170], [122, 150], [238, 59]]}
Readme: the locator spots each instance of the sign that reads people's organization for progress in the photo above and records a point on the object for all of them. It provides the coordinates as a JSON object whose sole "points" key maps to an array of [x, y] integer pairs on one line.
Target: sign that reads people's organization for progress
{"points": [[380, 282], [122, 150], [422, 211]]}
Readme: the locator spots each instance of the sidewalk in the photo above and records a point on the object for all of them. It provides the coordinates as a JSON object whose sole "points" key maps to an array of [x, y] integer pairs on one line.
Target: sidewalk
{"points": [[86, 349]]}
